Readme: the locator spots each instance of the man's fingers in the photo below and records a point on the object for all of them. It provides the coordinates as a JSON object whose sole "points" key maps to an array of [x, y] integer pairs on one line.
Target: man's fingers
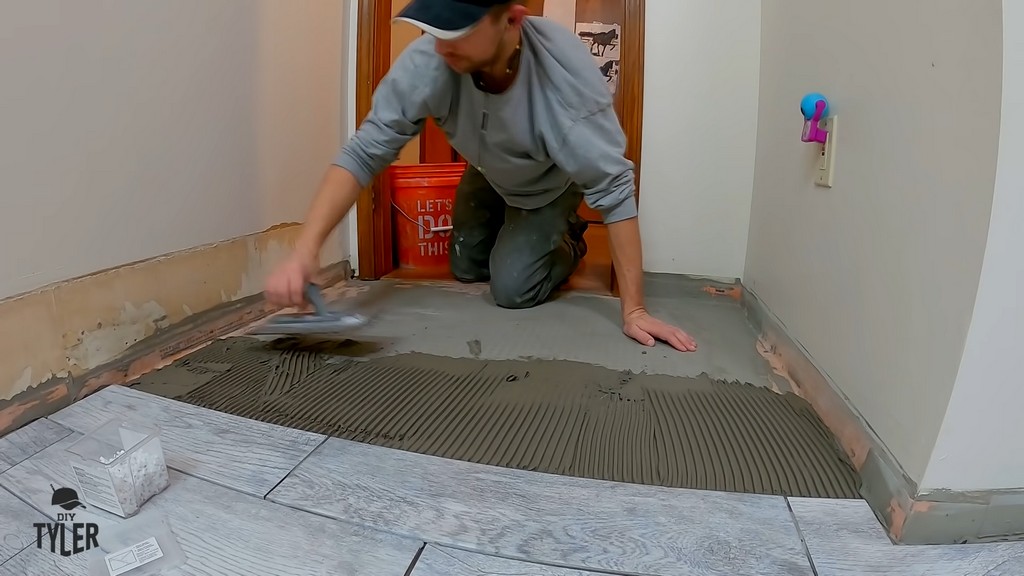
{"points": [[641, 336], [294, 291], [650, 332], [275, 295], [683, 342], [663, 332]]}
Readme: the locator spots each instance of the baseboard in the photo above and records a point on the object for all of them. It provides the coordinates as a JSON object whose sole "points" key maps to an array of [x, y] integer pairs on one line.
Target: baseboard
{"points": [[957, 517], [182, 338], [908, 515], [662, 285], [107, 326]]}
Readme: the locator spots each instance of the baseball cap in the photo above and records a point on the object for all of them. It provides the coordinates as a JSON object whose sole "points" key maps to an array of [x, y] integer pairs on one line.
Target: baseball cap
{"points": [[447, 19]]}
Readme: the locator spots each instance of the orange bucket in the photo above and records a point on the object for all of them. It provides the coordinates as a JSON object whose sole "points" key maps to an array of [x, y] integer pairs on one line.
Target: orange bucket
{"points": [[422, 197]]}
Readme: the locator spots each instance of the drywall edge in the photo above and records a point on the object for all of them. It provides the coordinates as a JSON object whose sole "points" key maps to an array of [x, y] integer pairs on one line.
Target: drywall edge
{"points": [[909, 516]]}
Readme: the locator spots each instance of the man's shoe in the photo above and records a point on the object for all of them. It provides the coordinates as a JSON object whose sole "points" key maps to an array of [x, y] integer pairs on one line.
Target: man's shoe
{"points": [[577, 231]]}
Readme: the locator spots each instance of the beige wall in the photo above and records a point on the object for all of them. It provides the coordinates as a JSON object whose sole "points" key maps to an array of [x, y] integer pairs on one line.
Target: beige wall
{"points": [[561, 11], [134, 128], [877, 276]]}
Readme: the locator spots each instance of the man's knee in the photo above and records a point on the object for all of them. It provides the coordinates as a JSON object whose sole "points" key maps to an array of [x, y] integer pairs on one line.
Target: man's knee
{"points": [[516, 290], [467, 267], [510, 297]]}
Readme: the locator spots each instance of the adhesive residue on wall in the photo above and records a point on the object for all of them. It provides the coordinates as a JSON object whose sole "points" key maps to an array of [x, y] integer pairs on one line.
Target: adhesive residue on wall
{"points": [[106, 342]]}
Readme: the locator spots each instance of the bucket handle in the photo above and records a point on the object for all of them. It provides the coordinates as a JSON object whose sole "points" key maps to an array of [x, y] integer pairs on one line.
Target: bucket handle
{"points": [[434, 229]]}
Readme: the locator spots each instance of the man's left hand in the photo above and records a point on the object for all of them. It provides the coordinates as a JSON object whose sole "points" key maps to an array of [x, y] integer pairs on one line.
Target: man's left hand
{"points": [[646, 329]]}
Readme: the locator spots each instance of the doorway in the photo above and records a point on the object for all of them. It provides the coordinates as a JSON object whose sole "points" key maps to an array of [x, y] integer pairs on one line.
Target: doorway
{"points": [[612, 29]]}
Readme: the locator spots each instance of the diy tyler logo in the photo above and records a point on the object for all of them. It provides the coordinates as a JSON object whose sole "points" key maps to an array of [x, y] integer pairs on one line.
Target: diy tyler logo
{"points": [[66, 537]]}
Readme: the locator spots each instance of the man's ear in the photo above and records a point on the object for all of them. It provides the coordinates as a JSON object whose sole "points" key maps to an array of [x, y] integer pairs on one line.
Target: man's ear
{"points": [[516, 13]]}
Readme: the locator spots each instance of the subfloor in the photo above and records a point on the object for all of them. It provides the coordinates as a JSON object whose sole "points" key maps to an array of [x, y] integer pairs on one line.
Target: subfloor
{"points": [[450, 319], [556, 389], [248, 496]]}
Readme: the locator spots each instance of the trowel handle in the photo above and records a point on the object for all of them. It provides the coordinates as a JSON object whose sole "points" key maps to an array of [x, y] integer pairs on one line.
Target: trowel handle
{"points": [[313, 295]]}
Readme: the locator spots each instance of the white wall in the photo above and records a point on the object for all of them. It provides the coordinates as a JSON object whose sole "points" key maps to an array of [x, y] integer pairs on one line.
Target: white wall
{"points": [[877, 276], [133, 128], [700, 123], [977, 444]]}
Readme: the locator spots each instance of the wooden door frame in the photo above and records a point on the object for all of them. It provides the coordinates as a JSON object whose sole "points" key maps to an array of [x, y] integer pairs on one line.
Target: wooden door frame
{"points": [[373, 59]]}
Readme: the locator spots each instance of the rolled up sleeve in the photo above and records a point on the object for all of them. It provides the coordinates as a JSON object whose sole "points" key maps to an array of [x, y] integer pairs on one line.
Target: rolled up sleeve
{"points": [[593, 154]]}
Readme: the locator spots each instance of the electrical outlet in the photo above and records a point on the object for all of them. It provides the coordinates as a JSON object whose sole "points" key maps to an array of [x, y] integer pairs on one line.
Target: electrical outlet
{"points": [[827, 154]]}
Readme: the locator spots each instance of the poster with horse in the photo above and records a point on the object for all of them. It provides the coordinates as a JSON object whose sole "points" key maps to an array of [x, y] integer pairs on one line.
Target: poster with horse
{"points": [[603, 41]]}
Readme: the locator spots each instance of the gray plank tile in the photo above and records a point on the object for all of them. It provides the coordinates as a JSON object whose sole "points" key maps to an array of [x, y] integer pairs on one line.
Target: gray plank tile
{"points": [[557, 520], [221, 531], [16, 525], [243, 454], [844, 538], [32, 561], [29, 439], [443, 561]]}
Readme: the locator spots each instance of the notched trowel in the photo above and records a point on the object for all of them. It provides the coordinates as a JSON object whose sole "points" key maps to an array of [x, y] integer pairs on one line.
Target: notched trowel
{"points": [[321, 321]]}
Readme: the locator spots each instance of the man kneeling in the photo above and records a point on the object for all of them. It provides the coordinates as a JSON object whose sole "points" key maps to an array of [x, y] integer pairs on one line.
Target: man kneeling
{"points": [[521, 99]]}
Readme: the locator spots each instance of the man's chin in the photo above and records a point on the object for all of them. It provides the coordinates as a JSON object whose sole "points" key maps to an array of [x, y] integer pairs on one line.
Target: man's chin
{"points": [[460, 67]]}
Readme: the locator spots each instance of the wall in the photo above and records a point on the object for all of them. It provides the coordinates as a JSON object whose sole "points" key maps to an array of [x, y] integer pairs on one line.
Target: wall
{"points": [[700, 123], [141, 127], [975, 447], [877, 276], [154, 158]]}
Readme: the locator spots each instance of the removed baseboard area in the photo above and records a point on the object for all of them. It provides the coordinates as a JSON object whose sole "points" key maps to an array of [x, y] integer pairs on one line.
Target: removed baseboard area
{"points": [[909, 515], [99, 329]]}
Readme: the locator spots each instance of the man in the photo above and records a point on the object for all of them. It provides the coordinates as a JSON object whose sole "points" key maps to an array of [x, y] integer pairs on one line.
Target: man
{"points": [[523, 101]]}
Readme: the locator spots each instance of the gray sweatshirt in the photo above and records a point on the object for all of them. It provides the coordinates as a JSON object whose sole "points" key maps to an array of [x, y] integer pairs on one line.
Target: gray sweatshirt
{"points": [[555, 125]]}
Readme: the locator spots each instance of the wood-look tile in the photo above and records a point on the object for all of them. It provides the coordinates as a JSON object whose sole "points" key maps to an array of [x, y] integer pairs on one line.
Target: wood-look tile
{"points": [[443, 561], [221, 531], [16, 525], [573, 522], [24, 442], [243, 454], [844, 538]]}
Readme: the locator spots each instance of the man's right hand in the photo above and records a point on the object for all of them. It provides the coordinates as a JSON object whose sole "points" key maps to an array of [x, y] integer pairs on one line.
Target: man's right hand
{"points": [[338, 192], [286, 286]]}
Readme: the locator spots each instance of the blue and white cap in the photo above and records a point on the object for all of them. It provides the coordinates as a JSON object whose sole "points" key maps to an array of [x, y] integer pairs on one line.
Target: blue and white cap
{"points": [[447, 19]]}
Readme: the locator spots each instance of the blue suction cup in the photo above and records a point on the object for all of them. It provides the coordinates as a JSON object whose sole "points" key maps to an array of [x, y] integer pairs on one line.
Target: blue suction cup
{"points": [[808, 103]]}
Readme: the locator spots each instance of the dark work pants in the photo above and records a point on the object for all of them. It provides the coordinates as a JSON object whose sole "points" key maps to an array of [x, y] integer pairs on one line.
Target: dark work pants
{"points": [[525, 254]]}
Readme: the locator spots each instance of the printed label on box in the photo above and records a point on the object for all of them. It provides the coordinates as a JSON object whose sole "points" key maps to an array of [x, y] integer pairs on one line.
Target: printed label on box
{"points": [[130, 558], [97, 489]]}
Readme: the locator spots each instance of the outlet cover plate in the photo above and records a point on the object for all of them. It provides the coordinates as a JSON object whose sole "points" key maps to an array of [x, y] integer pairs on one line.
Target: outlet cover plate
{"points": [[827, 155]]}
